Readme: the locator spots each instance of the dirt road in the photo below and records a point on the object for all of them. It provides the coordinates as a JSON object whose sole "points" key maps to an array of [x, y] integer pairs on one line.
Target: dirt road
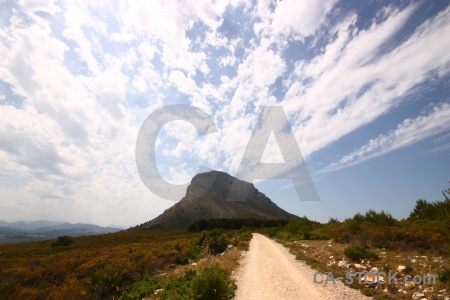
{"points": [[269, 271]]}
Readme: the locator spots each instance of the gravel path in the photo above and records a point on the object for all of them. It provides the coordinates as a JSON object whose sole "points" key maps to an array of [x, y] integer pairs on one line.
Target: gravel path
{"points": [[269, 271]]}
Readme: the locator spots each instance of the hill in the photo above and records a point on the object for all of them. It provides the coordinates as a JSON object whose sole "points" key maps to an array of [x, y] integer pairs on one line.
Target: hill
{"points": [[204, 200], [21, 231]]}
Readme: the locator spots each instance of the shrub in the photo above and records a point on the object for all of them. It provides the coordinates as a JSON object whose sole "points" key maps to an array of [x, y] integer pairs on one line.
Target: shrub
{"points": [[408, 270], [62, 241], [356, 253], [444, 275], [213, 283], [178, 288], [216, 242], [140, 289]]}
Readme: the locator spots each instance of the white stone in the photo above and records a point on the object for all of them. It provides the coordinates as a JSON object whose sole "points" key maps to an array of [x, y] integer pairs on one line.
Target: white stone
{"points": [[417, 296], [341, 263], [401, 268], [410, 286]]}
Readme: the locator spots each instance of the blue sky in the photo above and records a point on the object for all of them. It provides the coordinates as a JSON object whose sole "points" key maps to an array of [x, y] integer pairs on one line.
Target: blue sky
{"points": [[365, 86]]}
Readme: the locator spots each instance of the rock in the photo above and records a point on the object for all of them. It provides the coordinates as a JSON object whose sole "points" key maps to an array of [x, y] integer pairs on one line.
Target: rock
{"points": [[331, 257], [401, 268], [193, 264], [413, 260], [417, 296], [341, 263], [409, 286], [370, 279], [375, 270], [158, 291]]}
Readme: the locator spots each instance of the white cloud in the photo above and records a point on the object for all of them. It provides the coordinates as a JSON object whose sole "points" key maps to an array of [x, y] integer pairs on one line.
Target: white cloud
{"points": [[361, 86], [31, 6], [300, 19], [90, 75], [408, 132]]}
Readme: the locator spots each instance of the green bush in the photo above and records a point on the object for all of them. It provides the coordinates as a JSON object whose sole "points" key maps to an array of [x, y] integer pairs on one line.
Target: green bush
{"points": [[444, 275], [215, 241], [356, 253], [210, 283], [213, 284], [62, 241], [141, 289], [178, 288], [408, 270]]}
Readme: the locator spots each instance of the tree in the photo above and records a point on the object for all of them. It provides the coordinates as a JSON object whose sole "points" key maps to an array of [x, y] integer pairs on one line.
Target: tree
{"points": [[62, 241]]}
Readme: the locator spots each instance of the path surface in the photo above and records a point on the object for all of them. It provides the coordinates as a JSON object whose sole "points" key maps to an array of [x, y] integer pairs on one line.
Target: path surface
{"points": [[269, 271]]}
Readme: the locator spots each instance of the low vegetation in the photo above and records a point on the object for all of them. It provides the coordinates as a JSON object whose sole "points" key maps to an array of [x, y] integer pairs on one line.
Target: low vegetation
{"points": [[418, 245], [126, 264], [62, 241], [91, 267], [358, 253], [196, 263], [233, 224]]}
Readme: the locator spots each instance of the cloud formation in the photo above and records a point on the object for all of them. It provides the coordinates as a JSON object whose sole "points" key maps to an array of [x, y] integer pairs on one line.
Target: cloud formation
{"points": [[77, 80]]}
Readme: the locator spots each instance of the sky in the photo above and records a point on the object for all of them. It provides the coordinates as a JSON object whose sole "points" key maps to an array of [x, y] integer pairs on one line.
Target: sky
{"points": [[365, 87]]}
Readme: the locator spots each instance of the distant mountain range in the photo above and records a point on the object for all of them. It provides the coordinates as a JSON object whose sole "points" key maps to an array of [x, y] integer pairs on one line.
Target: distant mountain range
{"points": [[23, 231], [206, 198]]}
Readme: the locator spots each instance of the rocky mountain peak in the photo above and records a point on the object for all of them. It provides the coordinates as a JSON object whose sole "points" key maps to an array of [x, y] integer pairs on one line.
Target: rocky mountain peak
{"points": [[206, 198]]}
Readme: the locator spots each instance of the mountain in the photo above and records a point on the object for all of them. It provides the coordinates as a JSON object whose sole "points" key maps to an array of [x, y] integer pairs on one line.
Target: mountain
{"points": [[204, 200], [23, 231], [29, 225]]}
